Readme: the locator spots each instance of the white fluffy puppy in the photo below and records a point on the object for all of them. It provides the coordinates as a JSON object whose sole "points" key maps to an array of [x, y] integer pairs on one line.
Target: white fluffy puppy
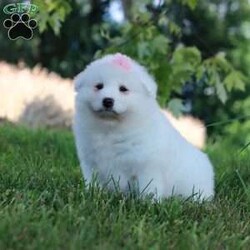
{"points": [[121, 134]]}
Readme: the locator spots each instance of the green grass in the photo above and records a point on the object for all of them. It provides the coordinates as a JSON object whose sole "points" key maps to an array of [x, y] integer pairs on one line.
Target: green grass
{"points": [[44, 204]]}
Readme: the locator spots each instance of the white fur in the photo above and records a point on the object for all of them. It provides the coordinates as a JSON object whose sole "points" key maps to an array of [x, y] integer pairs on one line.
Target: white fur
{"points": [[135, 143]]}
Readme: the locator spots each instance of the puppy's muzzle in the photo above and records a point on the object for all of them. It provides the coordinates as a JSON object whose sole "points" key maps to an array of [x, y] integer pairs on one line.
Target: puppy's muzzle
{"points": [[108, 103]]}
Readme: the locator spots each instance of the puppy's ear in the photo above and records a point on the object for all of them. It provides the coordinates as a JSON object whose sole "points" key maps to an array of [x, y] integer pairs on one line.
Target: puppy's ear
{"points": [[79, 81], [150, 87], [146, 80], [149, 84]]}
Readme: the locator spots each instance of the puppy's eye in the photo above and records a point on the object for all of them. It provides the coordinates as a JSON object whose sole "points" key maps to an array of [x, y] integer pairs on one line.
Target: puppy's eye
{"points": [[99, 86], [123, 89]]}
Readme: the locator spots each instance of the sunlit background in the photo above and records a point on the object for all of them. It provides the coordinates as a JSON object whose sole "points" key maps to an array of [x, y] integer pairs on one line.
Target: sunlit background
{"points": [[198, 52]]}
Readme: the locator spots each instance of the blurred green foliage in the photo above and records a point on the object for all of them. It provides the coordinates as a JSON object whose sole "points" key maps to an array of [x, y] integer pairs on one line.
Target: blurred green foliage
{"points": [[198, 51], [52, 13]]}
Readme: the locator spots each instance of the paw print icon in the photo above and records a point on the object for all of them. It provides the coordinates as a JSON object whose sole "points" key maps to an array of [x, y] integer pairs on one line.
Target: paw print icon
{"points": [[20, 26]]}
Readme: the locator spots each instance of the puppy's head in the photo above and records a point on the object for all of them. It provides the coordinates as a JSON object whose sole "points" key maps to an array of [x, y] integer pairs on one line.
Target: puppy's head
{"points": [[114, 85]]}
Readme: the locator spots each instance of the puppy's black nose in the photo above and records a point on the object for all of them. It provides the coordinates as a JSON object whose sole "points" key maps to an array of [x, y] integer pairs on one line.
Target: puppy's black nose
{"points": [[108, 102]]}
